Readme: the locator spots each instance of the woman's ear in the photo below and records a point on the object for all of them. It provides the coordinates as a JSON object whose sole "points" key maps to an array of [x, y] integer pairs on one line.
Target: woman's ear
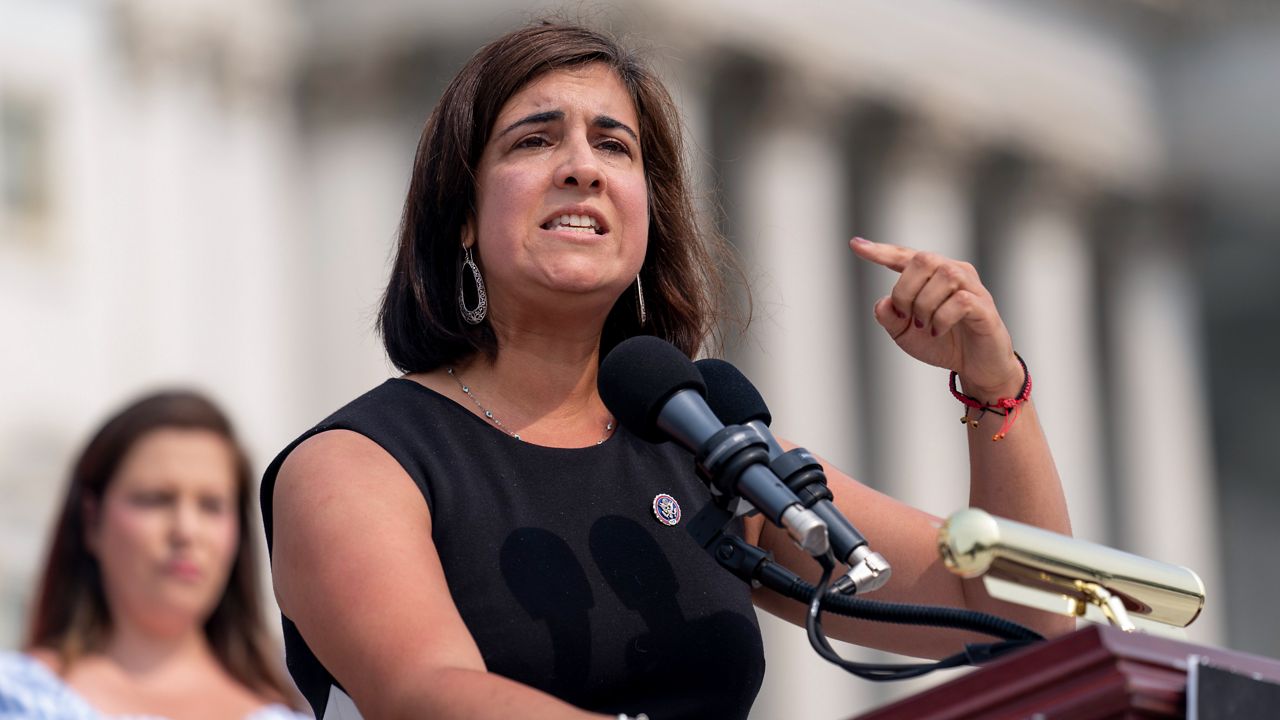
{"points": [[468, 231]]}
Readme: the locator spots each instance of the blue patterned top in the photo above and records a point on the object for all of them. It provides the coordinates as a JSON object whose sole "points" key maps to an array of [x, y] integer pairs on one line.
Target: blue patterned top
{"points": [[30, 691]]}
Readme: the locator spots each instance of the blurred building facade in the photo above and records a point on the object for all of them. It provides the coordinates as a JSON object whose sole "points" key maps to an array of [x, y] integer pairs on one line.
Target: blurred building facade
{"points": [[207, 193]]}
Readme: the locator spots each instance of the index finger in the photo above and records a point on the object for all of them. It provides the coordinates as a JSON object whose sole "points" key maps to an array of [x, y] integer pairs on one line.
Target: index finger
{"points": [[893, 257]]}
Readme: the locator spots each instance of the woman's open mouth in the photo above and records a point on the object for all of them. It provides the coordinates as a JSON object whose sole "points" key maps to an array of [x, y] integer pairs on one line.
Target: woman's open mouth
{"points": [[585, 224]]}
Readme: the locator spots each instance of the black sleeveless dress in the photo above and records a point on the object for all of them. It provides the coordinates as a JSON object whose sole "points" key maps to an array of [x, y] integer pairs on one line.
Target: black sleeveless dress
{"points": [[558, 565]]}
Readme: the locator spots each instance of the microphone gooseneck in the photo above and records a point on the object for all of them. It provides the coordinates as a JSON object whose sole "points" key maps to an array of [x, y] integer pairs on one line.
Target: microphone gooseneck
{"points": [[657, 393], [736, 401]]}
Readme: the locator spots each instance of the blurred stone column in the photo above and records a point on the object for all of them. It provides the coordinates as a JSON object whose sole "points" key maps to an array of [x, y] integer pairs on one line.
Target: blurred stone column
{"points": [[913, 190], [919, 202], [691, 87], [785, 200], [797, 253], [1159, 404], [1041, 271], [204, 292]]}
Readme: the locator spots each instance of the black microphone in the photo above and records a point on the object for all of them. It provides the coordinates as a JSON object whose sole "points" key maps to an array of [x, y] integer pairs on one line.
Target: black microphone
{"points": [[736, 401], [657, 394]]}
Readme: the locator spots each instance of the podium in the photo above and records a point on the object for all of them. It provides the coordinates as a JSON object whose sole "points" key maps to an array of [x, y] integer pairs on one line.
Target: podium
{"points": [[1095, 672]]}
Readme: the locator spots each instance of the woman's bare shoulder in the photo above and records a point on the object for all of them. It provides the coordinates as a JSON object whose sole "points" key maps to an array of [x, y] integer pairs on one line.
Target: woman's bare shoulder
{"points": [[337, 446], [338, 464]]}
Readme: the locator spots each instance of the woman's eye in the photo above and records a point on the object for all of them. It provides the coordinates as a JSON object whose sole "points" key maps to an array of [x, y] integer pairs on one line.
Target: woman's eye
{"points": [[615, 146], [533, 141], [151, 499], [213, 505]]}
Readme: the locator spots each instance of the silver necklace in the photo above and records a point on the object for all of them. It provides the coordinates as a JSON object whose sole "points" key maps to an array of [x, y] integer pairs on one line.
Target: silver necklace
{"points": [[488, 414]]}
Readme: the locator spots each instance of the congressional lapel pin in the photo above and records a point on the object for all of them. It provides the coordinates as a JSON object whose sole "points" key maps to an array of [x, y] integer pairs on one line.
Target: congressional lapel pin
{"points": [[666, 509]]}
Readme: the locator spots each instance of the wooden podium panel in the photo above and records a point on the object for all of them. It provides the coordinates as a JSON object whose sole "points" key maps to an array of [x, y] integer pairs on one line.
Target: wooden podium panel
{"points": [[1095, 672]]}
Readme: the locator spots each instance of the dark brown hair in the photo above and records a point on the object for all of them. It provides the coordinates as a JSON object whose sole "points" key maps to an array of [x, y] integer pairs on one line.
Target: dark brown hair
{"points": [[71, 614], [419, 319]]}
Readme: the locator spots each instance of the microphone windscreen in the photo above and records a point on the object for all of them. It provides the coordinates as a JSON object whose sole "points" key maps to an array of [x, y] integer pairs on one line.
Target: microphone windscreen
{"points": [[638, 377], [731, 395]]}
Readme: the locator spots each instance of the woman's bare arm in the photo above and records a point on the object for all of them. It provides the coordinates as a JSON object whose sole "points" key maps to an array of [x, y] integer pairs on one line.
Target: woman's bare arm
{"points": [[354, 567], [907, 537], [940, 313]]}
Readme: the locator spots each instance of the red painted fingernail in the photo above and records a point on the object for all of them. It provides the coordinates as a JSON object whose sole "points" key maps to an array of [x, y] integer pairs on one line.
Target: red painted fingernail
{"points": [[919, 324]]}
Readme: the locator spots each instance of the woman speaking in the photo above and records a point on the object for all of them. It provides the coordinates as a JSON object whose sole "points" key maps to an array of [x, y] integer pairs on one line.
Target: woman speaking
{"points": [[477, 538]]}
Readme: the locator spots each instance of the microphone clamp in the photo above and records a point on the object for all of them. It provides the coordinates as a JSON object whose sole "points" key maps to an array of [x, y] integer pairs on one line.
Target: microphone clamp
{"points": [[731, 452], [868, 570], [726, 454]]}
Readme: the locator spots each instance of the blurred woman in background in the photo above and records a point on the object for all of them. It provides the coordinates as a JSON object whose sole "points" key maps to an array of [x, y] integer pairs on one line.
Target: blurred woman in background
{"points": [[149, 599]]}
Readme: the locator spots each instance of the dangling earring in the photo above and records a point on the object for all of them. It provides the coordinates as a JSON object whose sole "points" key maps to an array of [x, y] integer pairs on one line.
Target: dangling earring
{"points": [[473, 316], [643, 316]]}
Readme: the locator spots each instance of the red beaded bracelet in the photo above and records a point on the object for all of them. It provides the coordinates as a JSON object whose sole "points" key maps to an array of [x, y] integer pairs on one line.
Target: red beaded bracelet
{"points": [[1010, 408]]}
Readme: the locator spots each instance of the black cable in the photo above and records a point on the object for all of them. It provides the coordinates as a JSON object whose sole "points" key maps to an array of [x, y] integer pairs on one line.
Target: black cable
{"points": [[812, 622], [752, 563], [756, 566], [973, 654]]}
